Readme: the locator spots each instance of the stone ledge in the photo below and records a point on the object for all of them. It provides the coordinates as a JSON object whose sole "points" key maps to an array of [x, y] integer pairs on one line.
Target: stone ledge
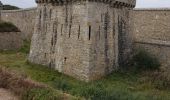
{"points": [[151, 9], [153, 42]]}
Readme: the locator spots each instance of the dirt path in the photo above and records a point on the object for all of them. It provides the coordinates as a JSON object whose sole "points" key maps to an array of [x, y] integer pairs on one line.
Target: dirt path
{"points": [[6, 95]]}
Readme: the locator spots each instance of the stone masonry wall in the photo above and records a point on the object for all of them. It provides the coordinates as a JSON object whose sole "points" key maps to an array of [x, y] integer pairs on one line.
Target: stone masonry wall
{"points": [[151, 24], [10, 40], [24, 19], [151, 29]]}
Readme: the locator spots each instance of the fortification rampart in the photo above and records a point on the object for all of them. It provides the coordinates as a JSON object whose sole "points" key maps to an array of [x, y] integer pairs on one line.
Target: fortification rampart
{"points": [[10, 40], [151, 29], [91, 37], [23, 19]]}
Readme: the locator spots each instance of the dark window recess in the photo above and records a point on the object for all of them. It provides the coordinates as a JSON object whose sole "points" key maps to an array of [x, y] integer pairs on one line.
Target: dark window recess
{"points": [[79, 32], [50, 13], [40, 14], [65, 59], [46, 27], [89, 32], [45, 55], [69, 31], [99, 32], [61, 29], [113, 31], [52, 41], [55, 38], [101, 18]]}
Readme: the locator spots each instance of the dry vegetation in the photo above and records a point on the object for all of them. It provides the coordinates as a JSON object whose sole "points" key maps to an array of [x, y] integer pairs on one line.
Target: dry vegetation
{"points": [[27, 89]]}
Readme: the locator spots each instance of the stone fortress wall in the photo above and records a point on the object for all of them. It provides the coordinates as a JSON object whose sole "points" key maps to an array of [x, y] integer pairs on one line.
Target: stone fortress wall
{"points": [[151, 29], [10, 40], [24, 19], [148, 28]]}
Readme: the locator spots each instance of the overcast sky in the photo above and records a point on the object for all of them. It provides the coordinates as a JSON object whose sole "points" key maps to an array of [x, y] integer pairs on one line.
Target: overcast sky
{"points": [[140, 3]]}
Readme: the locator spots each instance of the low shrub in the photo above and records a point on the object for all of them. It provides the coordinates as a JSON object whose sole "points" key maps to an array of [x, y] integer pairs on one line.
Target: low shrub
{"points": [[143, 60], [10, 7], [8, 27]]}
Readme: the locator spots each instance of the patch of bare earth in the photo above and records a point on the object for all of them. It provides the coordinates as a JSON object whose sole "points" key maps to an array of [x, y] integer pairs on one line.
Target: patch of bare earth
{"points": [[7, 95]]}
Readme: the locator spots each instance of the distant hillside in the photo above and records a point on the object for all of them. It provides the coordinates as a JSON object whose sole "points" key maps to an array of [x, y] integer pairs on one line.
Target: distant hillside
{"points": [[10, 7]]}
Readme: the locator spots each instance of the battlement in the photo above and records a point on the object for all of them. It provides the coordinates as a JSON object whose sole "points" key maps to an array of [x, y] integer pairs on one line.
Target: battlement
{"points": [[114, 3]]}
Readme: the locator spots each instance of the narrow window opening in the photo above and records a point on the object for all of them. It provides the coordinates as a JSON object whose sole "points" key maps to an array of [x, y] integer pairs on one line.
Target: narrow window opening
{"points": [[52, 41], [79, 32], [69, 31], [99, 32], [62, 29], [65, 59], [113, 31], [101, 18], [45, 55], [40, 14], [89, 32], [46, 27], [50, 13]]}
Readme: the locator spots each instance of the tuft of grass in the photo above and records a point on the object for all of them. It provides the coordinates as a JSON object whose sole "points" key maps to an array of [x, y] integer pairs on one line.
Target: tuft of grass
{"points": [[26, 47], [46, 94], [8, 27]]}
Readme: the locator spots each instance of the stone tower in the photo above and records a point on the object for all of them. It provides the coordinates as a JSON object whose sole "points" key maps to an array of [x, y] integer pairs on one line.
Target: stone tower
{"points": [[86, 39]]}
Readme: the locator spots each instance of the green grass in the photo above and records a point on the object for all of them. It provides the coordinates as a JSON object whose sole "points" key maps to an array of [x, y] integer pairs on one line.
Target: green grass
{"points": [[117, 86], [46, 94]]}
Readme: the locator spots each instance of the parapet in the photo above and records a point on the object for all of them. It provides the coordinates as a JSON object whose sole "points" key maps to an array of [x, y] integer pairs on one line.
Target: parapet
{"points": [[114, 3]]}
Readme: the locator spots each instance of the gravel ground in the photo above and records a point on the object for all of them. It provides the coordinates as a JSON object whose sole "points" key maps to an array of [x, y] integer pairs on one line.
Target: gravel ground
{"points": [[7, 95]]}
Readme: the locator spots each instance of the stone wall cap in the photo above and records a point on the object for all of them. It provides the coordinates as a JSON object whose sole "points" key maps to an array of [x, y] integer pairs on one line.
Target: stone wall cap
{"points": [[153, 42], [19, 10], [151, 9]]}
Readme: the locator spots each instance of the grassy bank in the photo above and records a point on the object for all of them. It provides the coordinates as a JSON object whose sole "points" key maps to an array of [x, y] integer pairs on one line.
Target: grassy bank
{"points": [[26, 89], [117, 86]]}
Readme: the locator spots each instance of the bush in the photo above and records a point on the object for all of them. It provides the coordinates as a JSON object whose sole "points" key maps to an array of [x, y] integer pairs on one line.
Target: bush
{"points": [[10, 7], [8, 27], [144, 61]]}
